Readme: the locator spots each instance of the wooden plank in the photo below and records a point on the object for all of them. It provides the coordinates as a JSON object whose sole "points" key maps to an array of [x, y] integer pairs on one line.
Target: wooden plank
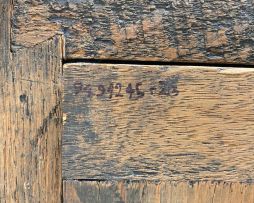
{"points": [[151, 192], [5, 14], [31, 125], [167, 123], [199, 31]]}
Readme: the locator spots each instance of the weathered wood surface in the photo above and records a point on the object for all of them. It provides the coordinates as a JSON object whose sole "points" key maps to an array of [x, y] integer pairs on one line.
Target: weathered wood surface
{"points": [[31, 125], [176, 30], [160, 192], [192, 123], [5, 14]]}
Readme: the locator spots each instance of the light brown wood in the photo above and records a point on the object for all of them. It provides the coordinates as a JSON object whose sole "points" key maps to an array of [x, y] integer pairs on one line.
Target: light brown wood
{"points": [[160, 192], [174, 30], [182, 134], [31, 125], [202, 130]]}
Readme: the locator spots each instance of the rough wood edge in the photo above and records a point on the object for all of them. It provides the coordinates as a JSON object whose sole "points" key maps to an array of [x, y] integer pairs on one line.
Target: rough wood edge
{"points": [[153, 192], [170, 31], [5, 33]]}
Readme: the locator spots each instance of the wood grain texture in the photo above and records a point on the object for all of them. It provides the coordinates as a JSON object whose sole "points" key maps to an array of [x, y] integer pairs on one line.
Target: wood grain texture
{"points": [[31, 125], [202, 130], [212, 31], [5, 22], [160, 192]]}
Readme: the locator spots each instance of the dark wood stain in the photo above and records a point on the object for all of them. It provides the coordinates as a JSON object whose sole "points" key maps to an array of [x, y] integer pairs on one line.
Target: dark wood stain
{"points": [[176, 30], [5, 19]]}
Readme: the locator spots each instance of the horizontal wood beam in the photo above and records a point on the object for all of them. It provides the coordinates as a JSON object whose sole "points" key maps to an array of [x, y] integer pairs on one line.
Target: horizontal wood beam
{"points": [[151, 192], [177, 30], [174, 123]]}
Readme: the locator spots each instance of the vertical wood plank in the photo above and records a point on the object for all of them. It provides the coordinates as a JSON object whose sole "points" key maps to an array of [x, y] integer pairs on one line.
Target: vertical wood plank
{"points": [[4, 60], [5, 13], [31, 125]]}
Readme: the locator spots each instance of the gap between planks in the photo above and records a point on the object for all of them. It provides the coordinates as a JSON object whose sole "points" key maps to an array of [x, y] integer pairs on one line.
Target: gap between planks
{"points": [[151, 63]]}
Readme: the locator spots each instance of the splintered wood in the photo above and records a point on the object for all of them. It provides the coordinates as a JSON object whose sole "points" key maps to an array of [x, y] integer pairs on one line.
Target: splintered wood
{"points": [[210, 31]]}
